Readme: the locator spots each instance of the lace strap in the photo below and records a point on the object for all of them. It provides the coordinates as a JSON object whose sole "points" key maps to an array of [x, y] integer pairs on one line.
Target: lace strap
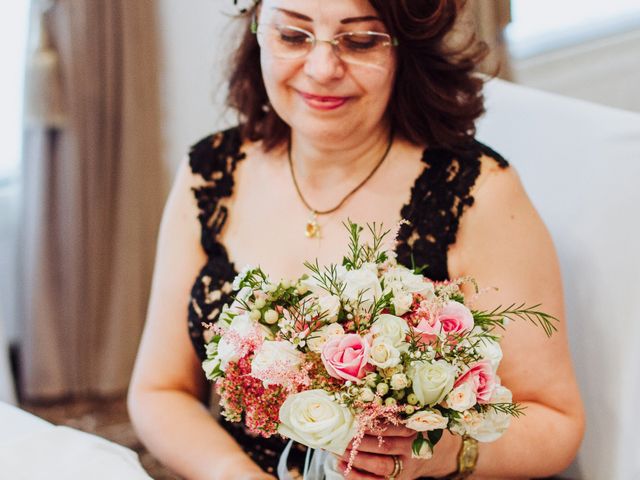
{"points": [[439, 198], [214, 158]]}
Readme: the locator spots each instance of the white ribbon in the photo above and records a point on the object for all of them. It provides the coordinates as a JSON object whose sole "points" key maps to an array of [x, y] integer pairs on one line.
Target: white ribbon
{"points": [[323, 465]]}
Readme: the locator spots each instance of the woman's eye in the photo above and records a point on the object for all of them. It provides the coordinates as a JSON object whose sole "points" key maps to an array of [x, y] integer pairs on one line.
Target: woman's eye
{"points": [[293, 37], [361, 42]]}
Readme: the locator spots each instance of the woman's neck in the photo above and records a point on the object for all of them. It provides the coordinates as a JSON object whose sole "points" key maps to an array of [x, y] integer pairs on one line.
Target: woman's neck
{"points": [[320, 164]]}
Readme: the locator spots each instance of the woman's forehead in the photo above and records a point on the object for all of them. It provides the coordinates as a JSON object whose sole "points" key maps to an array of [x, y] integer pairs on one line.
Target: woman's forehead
{"points": [[320, 10]]}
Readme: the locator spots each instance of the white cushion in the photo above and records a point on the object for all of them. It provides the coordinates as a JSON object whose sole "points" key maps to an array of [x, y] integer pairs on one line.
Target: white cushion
{"points": [[580, 164], [32, 449]]}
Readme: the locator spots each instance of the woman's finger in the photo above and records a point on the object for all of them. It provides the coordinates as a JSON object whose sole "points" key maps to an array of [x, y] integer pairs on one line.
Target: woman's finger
{"points": [[390, 445], [380, 465], [355, 474], [394, 431]]}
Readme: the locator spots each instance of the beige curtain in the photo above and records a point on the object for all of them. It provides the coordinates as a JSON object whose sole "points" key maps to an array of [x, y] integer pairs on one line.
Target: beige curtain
{"points": [[93, 189], [488, 19]]}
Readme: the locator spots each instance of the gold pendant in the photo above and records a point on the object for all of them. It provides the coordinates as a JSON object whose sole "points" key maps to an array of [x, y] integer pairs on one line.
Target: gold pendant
{"points": [[312, 229]]}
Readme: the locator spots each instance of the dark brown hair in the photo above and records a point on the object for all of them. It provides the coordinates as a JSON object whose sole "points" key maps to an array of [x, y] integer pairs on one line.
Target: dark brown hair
{"points": [[436, 97]]}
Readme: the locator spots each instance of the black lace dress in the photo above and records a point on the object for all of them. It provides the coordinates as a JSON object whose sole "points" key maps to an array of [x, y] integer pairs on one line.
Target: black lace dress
{"points": [[438, 199]]}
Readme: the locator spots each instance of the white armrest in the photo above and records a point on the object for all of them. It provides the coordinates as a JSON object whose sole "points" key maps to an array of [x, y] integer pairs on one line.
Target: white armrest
{"points": [[580, 164]]}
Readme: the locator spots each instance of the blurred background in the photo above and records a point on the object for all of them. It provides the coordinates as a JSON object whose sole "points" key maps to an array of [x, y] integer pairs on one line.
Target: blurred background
{"points": [[100, 102]]}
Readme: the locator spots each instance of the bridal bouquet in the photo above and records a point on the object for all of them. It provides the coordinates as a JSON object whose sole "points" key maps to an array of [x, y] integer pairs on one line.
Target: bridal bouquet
{"points": [[354, 347]]}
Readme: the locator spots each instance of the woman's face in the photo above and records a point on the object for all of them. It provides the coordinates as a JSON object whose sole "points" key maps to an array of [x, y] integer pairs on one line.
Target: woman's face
{"points": [[320, 95]]}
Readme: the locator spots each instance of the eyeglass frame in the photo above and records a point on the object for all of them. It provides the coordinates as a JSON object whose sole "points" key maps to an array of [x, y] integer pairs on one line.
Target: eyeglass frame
{"points": [[393, 41]]}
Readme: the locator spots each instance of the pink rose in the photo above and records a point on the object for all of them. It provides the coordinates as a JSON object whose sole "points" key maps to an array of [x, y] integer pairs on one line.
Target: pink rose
{"points": [[482, 379], [346, 357], [455, 319], [428, 328]]}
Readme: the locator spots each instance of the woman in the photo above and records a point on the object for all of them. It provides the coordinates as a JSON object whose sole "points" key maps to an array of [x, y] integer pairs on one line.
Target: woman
{"points": [[371, 126]]}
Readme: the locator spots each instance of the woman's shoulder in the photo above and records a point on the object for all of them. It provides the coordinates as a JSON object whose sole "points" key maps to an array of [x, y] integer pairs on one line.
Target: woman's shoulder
{"points": [[216, 154]]}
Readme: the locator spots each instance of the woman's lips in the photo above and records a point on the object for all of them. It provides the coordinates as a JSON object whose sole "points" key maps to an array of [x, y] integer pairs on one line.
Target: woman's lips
{"points": [[321, 102]]}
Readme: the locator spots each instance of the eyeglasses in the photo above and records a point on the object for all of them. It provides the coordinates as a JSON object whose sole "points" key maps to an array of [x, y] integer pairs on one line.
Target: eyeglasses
{"points": [[361, 48]]}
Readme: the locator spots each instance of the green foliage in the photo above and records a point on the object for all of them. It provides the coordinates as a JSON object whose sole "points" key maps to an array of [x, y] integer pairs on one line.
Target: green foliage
{"points": [[495, 318]]}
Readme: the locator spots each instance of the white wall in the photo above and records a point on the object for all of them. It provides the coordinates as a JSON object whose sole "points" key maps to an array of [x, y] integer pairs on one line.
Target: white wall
{"points": [[605, 71], [8, 228], [193, 39]]}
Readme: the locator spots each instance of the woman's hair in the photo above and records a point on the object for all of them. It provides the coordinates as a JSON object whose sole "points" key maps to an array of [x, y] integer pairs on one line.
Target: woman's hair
{"points": [[436, 96]]}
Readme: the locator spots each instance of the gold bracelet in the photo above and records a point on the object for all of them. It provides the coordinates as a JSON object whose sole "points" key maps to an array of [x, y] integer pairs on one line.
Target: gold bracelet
{"points": [[467, 459]]}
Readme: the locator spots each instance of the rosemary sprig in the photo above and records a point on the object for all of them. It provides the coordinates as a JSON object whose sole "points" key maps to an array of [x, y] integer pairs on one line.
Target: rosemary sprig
{"points": [[513, 409], [495, 317]]}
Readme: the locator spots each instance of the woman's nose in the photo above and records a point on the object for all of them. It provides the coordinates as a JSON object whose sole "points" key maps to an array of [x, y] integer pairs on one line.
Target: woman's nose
{"points": [[322, 64]]}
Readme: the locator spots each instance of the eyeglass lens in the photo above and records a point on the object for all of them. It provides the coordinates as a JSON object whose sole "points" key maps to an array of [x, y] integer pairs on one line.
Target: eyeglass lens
{"points": [[353, 47]]}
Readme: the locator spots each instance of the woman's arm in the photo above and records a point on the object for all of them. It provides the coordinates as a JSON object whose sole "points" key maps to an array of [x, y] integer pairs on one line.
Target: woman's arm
{"points": [[503, 243], [168, 383]]}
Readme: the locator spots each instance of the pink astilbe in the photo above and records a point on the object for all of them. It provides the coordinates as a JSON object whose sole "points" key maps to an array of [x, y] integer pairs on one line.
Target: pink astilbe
{"points": [[373, 418], [282, 373], [240, 392]]}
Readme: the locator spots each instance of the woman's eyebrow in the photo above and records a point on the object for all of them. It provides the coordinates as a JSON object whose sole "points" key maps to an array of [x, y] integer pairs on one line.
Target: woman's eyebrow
{"points": [[344, 21], [366, 18], [293, 14]]}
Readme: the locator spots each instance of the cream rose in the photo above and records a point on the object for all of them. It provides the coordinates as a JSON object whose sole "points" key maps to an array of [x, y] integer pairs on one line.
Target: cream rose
{"points": [[398, 381], [391, 327], [487, 427], [317, 339], [461, 398], [426, 420], [432, 381], [315, 419], [383, 354]]}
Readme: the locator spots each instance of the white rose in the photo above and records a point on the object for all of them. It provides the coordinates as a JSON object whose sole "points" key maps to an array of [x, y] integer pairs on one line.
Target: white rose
{"points": [[383, 354], [241, 277], [362, 283], [490, 351], [241, 298], [227, 353], [426, 420], [315, 419], [461, 398], [317, 339], [329, 307], [399, 381], [391, 327], [275, 355], [211, 368], [244, 327], [431, 381], [402, 301], [402, 277]]}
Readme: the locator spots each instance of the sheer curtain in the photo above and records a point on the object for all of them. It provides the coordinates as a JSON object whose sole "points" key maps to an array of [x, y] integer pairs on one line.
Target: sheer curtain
{"points": [[93, 189]]}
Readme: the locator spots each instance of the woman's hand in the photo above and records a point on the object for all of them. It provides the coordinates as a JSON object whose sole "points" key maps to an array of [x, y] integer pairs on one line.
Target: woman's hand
{"points": [[374, 461]]}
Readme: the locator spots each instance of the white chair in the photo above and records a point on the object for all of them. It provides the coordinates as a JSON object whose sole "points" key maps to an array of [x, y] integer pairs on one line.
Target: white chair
{"points": [[580, 164], [7, 393]]}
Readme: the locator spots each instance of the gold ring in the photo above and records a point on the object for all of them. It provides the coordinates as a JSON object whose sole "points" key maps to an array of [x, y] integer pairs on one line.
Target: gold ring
{"points": [[397, 467]]}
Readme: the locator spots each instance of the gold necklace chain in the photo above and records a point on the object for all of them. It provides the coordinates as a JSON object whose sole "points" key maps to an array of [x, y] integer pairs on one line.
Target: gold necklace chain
{"points": [[312, 229]]}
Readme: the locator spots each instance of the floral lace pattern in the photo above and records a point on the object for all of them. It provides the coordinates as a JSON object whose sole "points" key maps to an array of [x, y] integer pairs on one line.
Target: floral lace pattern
{"points": [[439, 197]]}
